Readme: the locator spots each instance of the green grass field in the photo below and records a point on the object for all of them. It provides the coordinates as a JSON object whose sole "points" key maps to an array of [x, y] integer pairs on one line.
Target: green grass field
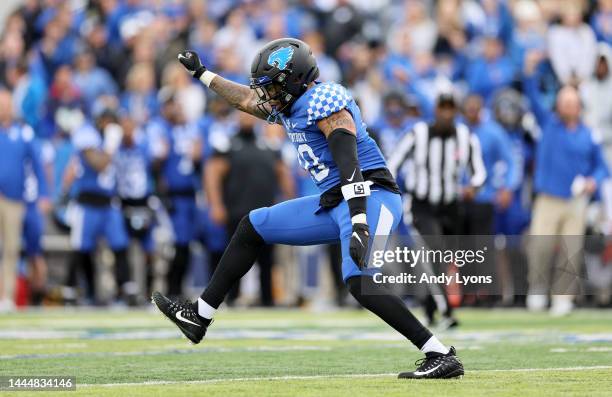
{"points": [[299, 353]]}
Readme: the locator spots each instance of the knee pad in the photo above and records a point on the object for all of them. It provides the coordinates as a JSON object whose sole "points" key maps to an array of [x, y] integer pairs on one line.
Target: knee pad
{"points": [[246, 234]]}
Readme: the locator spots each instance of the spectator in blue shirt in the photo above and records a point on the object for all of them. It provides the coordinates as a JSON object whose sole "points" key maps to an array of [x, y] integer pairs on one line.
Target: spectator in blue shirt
{"points": [[140, 99], [397, 66], [118, 15], [601, 21], [497, 189], [569, 167], [16, 150], [63, 95], [530, 31], [494, 20], [29, 93], [511, 113], [201, 40], [395, 121], [490, 71], [91, 80], [56, 48], [36, 197]]}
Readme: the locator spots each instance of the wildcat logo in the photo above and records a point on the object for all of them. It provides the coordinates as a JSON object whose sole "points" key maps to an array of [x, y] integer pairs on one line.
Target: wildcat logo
{"points": [[281, 57]]}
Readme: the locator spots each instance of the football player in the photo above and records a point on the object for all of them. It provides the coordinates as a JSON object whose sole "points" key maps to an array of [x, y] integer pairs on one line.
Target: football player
{"points": [[94, 214], [176, 151], [359, 197]]}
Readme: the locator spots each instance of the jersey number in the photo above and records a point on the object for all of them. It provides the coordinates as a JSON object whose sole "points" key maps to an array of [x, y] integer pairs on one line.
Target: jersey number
{"points": [[318, 170]]}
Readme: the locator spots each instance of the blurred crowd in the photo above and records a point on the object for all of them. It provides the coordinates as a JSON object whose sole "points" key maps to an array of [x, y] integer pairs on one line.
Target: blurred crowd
{"points": [[187, 166]]}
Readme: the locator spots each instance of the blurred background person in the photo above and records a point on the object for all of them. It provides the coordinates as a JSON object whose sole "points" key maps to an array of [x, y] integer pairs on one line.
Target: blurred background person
{"points": [[511, 112], [596, 98], [572, 45], [496, 192], [177, 150], [63, 94], [497, 189], [434, 182], [329, 70], [91, 80], [400, 113], [601, 21], [38, 206], [93, 215], [569, 166], [243, 174], [16, 151], [491, 70], [140, 98], [422, 28], [529, 32], [133, 162], [29, 94], [189, 96]]}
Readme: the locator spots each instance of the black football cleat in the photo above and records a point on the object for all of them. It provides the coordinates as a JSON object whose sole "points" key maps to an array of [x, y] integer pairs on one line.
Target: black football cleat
{"points": [[436, 366], [182, 314]]}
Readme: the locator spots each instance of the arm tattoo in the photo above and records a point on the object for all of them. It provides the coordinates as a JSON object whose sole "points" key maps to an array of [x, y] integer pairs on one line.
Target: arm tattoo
{"points": [[341, 119], [239, 96]]}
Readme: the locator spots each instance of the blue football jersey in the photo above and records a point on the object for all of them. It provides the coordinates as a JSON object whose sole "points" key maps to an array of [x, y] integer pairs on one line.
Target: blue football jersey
{"points": [[319, 102], [178, 170], [133, 165], [88, 179]]}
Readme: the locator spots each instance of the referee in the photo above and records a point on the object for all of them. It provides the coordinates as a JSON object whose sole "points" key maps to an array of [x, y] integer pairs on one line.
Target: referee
{"points": [[441, 164]]}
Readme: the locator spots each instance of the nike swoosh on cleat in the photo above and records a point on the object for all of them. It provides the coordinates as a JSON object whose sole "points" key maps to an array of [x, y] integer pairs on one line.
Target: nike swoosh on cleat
{"points": [[352, 176], [417, 373], [358, 238], [180, 317]]}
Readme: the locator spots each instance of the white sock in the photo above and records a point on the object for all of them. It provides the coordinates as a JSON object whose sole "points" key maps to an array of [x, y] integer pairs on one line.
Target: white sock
{"points": [[434, 345], [205, 310]]}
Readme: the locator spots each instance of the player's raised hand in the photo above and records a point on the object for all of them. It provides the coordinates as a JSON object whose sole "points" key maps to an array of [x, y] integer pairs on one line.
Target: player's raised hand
{"points": [[358, 247], [191, 62]]}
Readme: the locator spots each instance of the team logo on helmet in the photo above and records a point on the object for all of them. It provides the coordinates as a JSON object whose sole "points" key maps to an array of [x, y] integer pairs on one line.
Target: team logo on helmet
{"points": [[281, 57]]}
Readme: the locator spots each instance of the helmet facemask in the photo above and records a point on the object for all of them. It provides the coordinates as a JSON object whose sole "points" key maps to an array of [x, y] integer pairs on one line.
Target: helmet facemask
{"points": [[269, 90]]}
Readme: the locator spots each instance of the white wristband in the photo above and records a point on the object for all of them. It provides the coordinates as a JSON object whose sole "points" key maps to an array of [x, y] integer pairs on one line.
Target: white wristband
{"points": [[359, 218], [207, 77], [113, 135], [357, 189]]}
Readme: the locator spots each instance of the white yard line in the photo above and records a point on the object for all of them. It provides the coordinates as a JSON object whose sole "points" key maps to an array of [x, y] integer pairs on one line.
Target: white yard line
{"points": [[308, 377]]}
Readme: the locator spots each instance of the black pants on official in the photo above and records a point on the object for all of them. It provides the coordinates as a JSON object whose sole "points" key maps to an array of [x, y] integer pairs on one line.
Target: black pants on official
{"points": [[478, 221], [432, 222]]}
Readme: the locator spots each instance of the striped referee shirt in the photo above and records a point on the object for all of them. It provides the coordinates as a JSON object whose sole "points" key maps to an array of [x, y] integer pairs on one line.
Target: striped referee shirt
{"points": [[436, 166]]}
